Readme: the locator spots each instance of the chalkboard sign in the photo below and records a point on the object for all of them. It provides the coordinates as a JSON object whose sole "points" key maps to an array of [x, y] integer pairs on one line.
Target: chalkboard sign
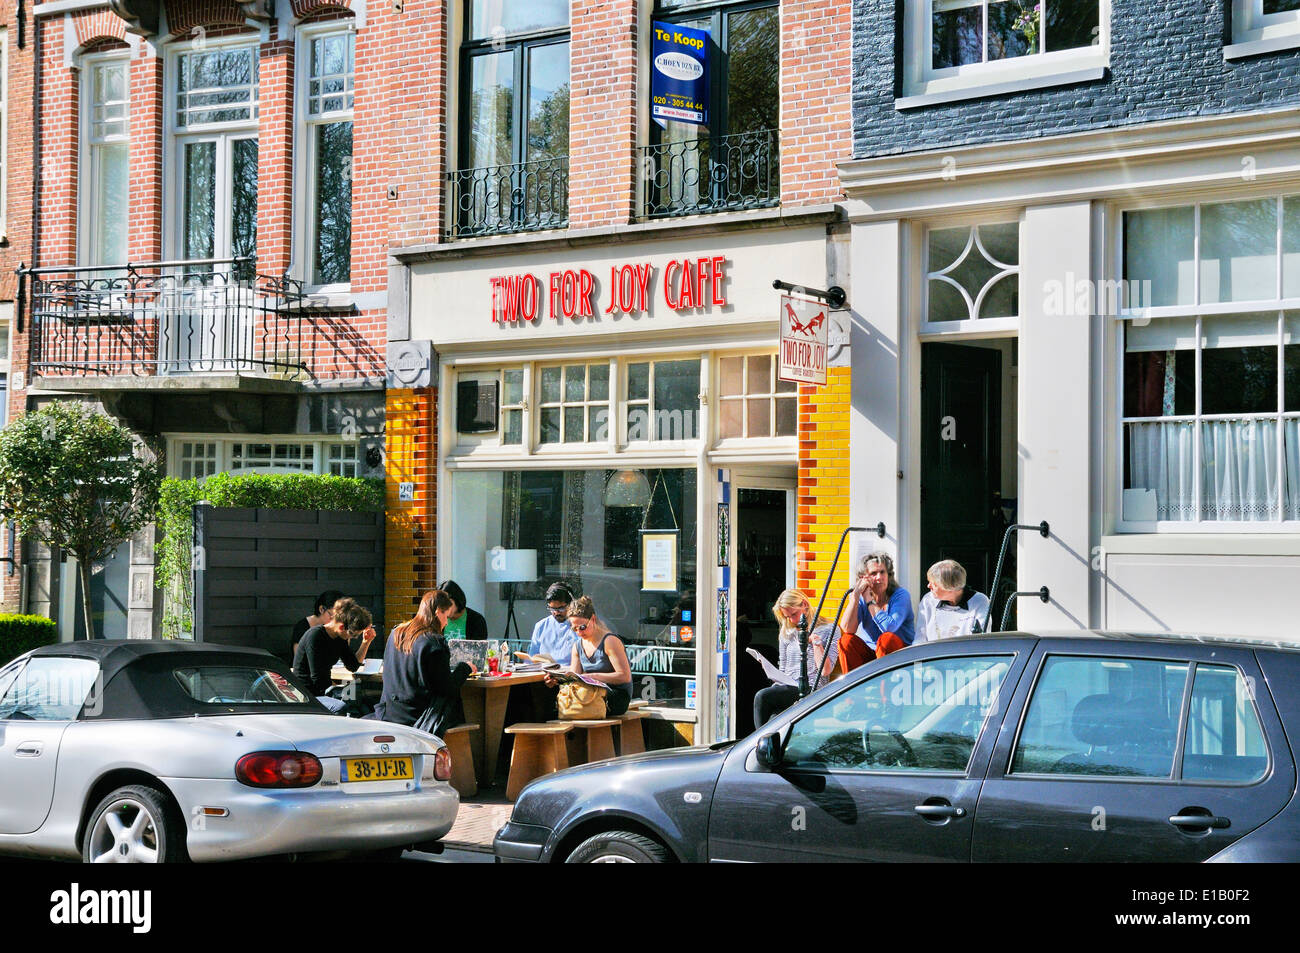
{"points": [[473, 651]]}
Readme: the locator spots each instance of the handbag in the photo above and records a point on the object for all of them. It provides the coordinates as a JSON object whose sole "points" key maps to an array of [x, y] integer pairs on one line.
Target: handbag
{"points": [[578, 701]]}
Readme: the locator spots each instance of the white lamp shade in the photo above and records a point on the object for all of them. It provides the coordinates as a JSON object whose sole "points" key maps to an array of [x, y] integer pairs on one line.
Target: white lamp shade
{"points": [[511, 565]]}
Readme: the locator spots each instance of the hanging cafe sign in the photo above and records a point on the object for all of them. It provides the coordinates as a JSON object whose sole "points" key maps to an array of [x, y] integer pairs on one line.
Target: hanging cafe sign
{"points": [[686, 284]]}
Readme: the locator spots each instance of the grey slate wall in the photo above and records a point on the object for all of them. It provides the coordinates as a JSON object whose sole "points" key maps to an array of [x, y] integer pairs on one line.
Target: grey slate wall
{"points": [[1166, 62]]}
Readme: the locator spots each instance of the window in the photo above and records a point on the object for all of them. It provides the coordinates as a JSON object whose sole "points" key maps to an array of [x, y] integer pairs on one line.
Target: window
{"points": [[1261, 26], [197, 460], [106, 135], [972, 273], [1225, 741], [663, 400], [585, 530], [752, 402], [235, 685], [216, 153], [573, 403], [1102, 717], [326, 134], [922, 717], [514, 149], [49, 689], [513, 405], [733, 162], [958, 49], [1211, 366]]}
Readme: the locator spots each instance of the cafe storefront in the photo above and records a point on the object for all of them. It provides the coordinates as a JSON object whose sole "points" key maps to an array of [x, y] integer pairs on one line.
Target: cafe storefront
{"points": [[610, 415]]}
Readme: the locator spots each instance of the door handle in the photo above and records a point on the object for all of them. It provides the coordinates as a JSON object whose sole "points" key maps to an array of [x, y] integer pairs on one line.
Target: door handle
{"points": [[29, 749], [1199, 822], [939, 810]]}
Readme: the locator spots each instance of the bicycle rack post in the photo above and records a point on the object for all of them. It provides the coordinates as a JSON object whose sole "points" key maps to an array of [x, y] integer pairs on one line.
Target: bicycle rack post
{"points": [[1043, 594], [879, 530], [1043, 531]]}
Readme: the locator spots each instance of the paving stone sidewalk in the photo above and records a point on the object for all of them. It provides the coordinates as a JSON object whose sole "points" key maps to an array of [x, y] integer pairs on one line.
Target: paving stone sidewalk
{"points": [[477, 822]]}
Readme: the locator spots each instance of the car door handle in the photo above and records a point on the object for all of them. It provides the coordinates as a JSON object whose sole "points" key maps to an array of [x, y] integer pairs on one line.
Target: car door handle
{"points": [[939, 810], [29, 749], [1199, 822]]}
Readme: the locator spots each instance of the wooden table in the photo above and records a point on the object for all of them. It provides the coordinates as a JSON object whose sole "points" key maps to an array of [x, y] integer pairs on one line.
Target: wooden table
{"points": [[485, 697]]}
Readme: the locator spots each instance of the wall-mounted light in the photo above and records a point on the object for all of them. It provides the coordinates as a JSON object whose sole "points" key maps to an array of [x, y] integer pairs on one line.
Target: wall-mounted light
{"points": [[627, 488]]}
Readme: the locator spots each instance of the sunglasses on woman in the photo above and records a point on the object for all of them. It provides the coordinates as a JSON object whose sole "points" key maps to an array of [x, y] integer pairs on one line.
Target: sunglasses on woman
{"points": [[582, 628]]}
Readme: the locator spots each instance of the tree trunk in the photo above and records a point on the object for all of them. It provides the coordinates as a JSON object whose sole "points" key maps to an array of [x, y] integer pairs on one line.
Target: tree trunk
{"points": [[83, 565]]}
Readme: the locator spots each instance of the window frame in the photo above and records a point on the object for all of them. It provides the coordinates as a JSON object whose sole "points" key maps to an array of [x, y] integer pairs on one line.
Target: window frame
{"points": [[1196, 310], [225, 452], [1254, 31], [922, 85], [624, 405], [304, 224], [609, 403], [979, 326], [87, 206], [724, 442], [175, 137]]}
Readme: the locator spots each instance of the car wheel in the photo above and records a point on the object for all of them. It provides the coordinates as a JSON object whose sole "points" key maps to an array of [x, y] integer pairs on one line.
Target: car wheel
{"points": [[134, 825], [619, 847]]}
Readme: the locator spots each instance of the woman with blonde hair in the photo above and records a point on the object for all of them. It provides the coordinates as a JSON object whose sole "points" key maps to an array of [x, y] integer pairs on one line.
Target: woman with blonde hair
{"points": [[791, 609], [600, 654], [417, 669]]}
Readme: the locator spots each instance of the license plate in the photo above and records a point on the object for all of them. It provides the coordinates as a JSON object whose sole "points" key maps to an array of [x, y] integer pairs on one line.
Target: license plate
{"points": [[377, 769]]}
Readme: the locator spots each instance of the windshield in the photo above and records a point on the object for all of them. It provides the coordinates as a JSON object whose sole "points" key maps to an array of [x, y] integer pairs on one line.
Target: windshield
{"points": [[242, 685]]}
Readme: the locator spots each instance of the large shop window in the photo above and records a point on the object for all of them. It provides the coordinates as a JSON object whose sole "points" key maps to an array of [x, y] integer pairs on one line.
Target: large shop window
{"points": [[732, 162], [1211, 372], [106, 132], [514, 148], [958, 49], [587, 528], [327, 136]]}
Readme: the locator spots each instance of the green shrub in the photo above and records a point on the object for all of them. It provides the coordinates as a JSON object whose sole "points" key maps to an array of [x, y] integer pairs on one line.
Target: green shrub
{"points": [[21, 633], [276, 491]]}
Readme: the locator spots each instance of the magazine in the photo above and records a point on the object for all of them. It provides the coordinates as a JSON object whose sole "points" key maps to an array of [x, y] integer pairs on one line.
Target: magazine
{"points": [[544, 663], [772, 672]]}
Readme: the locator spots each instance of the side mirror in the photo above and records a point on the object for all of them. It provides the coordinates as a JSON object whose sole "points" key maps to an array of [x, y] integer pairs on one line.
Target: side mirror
{"points": [[768, 752]]}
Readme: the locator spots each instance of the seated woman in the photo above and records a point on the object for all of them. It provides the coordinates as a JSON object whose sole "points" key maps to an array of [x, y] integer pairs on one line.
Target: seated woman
{"points": [[323, 645], [417, 668], [600, 654], [879, 619], [791, 607]]}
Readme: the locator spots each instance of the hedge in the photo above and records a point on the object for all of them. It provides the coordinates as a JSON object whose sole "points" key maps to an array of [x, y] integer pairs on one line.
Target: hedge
{"points": [[277, 491], [21, 633]]}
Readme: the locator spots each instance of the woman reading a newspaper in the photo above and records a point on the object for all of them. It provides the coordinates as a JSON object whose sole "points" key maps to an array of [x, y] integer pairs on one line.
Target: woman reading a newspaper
{"points": [[790, 610], [599, 654]]}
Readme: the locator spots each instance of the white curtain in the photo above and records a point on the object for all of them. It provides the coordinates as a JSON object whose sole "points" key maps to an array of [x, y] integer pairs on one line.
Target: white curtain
{"points": [[1291, 461], [1161, 459], [1239, 470]]}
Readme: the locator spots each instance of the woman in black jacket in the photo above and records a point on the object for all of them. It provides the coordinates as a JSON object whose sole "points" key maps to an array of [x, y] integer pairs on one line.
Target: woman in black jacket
{"points": [[417, 668]]}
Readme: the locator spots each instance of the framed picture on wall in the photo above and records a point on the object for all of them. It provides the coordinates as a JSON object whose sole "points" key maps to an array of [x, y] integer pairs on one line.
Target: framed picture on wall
{"points": [[659, 549]]}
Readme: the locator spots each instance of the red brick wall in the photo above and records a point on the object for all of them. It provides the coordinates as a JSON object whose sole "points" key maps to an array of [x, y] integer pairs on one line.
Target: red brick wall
{"points": [[816, 112]]}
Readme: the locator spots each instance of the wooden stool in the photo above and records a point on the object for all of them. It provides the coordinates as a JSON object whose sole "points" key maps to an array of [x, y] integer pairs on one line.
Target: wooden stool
{"points": [[538, 750], [599, 733], [631, 737], [463, 777]]}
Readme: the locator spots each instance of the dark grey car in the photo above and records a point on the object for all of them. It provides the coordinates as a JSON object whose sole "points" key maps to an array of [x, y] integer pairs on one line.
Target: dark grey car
{"points": [[1005, 747]]}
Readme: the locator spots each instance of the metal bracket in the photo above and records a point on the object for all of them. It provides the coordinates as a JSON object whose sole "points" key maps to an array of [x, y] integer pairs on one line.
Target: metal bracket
{"points": [[833, 296]]}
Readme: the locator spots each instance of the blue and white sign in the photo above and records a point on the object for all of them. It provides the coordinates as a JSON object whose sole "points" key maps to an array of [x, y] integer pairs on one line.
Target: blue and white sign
{"points": [[679, 80]]}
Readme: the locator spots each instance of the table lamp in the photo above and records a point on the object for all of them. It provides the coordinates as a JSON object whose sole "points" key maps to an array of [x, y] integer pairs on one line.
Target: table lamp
{"points": [[511, 566]]}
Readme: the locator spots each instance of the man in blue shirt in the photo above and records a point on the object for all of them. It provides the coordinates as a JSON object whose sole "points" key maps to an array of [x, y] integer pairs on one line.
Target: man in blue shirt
{"points": [[552, 635]]}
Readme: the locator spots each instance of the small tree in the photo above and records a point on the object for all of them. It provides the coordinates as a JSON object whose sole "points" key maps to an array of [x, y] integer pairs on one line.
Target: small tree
{"points": [[74, 478]]}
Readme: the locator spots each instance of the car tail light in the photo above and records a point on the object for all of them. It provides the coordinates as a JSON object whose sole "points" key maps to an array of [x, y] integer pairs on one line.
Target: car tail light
{"points": [[278, 769], [442, 765]]}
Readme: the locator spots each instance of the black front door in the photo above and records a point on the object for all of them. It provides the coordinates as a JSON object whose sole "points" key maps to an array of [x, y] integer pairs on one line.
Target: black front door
{"points": [[961, 459]]}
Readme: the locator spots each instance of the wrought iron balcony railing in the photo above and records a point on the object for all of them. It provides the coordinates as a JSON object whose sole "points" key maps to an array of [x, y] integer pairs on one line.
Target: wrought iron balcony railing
{"points": [[523, 197], [718, 174], [158, 318]]}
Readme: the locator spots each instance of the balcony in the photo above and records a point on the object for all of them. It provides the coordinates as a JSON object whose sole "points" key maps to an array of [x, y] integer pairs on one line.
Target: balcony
{"points": [[503, 199], [166, 323], [720, 174]]}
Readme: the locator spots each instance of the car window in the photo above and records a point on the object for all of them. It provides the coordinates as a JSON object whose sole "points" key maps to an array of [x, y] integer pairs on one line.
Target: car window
{"points": [[49, 689], [237, 684], [1224, 739], [921, 717], [1110, 717], [7, 675]]}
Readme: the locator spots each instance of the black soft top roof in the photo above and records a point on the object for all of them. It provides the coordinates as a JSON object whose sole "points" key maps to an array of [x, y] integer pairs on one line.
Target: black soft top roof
{"points": [[137, 681]]}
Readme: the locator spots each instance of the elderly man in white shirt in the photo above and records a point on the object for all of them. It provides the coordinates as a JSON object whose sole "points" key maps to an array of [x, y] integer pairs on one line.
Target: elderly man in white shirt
{"points": [[951, 607]]}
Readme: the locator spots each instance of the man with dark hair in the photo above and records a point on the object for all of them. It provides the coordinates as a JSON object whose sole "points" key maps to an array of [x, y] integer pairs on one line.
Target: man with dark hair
{"points": [[552, 635], [324, 645], [463, 623], [324, 602]]}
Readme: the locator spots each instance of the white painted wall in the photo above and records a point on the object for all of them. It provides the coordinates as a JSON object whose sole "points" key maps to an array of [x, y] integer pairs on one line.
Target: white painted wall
{"points": [[1055, 411]]}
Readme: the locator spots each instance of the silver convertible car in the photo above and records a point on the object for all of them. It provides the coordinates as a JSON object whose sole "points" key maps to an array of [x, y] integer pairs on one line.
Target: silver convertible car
{"points": [[143, 751]]}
